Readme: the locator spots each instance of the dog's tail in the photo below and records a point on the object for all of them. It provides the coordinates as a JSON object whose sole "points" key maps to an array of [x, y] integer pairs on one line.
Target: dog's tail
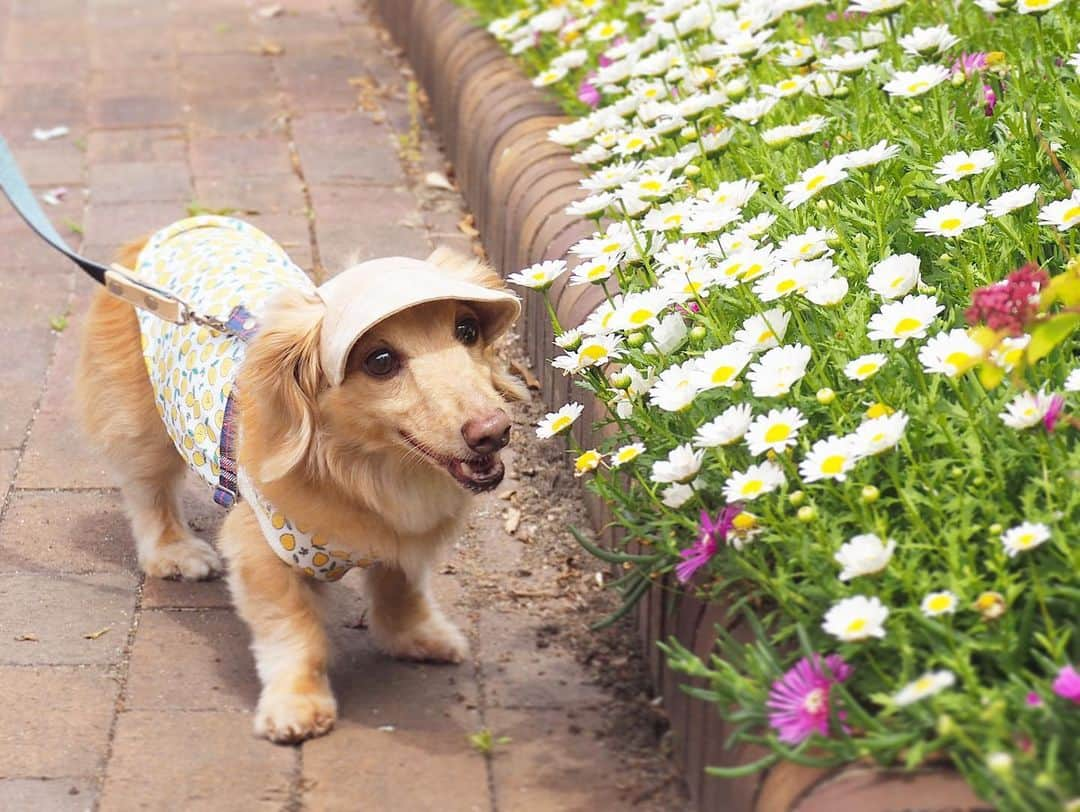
{"points": [[128, 255]]}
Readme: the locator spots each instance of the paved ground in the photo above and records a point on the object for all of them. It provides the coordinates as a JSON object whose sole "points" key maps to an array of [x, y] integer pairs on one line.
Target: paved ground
{"points": [[125, 694]]}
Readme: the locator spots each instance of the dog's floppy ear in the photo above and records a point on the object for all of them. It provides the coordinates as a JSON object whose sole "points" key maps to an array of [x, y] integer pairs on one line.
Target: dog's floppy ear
{"points": [[280, 383]]}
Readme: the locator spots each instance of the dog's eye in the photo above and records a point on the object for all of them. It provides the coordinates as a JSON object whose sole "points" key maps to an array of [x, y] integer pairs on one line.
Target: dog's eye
{"points": [[381, 363], [467, 331]]}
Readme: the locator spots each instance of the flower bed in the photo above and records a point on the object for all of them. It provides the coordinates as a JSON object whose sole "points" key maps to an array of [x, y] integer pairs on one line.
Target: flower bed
{"points": [[838, 355]]}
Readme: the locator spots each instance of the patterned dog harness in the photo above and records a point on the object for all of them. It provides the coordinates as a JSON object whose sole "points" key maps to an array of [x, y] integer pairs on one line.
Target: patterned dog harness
{"points": [[228, 269]]}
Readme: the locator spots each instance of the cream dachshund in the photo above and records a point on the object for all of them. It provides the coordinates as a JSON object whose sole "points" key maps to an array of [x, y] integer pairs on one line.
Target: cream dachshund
{"points": [[363, 414]]}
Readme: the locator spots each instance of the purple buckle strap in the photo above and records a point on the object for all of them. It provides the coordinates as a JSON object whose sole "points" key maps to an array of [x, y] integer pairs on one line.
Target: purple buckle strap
{"points": [[243, 325]]}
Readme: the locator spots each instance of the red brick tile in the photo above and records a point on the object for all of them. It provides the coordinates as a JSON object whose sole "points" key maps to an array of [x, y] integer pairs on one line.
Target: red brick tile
{"points": [[150, 145], [139, 182], [54, 794], [233, 156], [247, 193], [21, 377], [110, 224]]}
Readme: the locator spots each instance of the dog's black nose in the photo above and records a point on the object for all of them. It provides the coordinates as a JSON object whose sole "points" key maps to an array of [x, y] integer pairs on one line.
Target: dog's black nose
{"points": [[487, 434]]}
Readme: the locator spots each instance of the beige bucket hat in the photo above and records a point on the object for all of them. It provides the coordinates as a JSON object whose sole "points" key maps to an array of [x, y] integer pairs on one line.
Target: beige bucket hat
{"points": [[366, 294]]}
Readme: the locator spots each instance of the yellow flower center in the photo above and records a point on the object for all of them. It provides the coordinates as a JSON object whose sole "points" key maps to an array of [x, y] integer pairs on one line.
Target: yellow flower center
{"points": [[806, 248], [626, 455], [878, 410], [733, 269], [939, 603], [587, 461], [641, 315], [951, 223], [869, 368], [785, 286], [560, 423], [856, 626], [767, 335], [897, 281], [753, 487], [776, 433], [958, 360], [1071, 214], [788, 84], [815, 701], [967, 166], [1025, 540], [814, 182], [923, 684], [915, 87], [744, 521], [833, 465], [723, 374], [651, 185], [598, 272], [611, 248], [673, 220], [592, 353], [907, 325], [607, 31]]}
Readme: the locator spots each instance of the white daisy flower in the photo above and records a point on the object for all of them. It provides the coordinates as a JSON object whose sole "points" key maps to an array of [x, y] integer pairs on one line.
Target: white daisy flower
{"points": [[791, 86], [786, 280], [907, 319], [894, 276], [610, 176], [865, 366], [1072, 383], [755, 481], [681, 465], [957, 165], [592, 154], [776, 136], [763, 331], [752, 109], [593, 204], [908, 83], [1010, 351], [549, 20], [728, 427], [569, 339], [668, 216], [850, 62], [938, 603], [710, 218], [1013, 200], [778, 370], [676, 387], [587, 461], [950, 353], [865, 554], [722, 366], [626, 454], [1074, 60], [605, 30], [830, 458], [1025, 536], [954, 218], [828, 292], [549, 77], [1036, 6], [639, 310], [735, 193], [856, 618], [812, 181], [928, 684], [874, 6], [879, 434], [861, 158], [675, 496], [594, 351], [811, 244], [592, 272], [654, 186], [923, 40], [571, 59], [1062, 214], [1026, 410], [775, 431], [539, 276], [557, 422]]}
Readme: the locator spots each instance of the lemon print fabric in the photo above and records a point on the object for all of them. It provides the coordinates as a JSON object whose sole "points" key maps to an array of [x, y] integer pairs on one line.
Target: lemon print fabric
{"points": [[294, 545], [214, 264]]}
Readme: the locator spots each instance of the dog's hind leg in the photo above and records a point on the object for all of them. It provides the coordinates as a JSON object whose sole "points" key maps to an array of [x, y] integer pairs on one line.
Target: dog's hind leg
{"points": [[118, 411], [282, 608]]}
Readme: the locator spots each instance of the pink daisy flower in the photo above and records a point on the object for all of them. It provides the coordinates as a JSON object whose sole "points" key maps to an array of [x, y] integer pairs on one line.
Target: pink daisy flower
{"points": [[800, 699], [712, 533], [1067, 684]]}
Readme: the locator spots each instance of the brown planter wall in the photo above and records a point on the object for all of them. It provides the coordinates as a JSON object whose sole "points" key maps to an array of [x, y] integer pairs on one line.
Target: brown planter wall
{"points": [[494, 124]]}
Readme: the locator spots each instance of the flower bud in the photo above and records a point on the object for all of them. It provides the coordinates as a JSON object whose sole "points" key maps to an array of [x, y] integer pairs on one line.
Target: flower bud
{"points": [[1045, 781], [841, 91], [825, 396], [991, 605], [688, 134], [692, 171], [946, 726], [822, 205], [916, 108], [621, 380], [698, 332], [636, 339], [958, 78], [807, 514], [870, 494], [996, 529], [999, 763], [796, 498], [744, 521]]}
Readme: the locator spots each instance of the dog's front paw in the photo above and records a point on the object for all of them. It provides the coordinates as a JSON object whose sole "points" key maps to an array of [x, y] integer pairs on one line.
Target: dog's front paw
{"points": [[286, 717], [189, 559], [434, 640]]}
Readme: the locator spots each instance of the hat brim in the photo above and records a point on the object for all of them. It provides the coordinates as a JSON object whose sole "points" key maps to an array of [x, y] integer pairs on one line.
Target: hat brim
{"points": [[369, 293]]}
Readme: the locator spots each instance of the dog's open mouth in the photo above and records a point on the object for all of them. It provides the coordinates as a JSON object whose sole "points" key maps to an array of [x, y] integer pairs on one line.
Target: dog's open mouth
{"points": [[477, 474]]}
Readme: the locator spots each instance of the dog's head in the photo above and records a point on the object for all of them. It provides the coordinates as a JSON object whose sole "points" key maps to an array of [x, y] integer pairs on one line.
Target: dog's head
{"points": [[423, 385]]}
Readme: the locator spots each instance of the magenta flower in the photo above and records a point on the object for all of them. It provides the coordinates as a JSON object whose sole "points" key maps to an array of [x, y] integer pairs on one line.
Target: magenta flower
{"points": [[969, 64], [1067, 684], [711, 534], [1033, 700], [990, 100], [800, 699], [1053, 414], [1010, 304], [588, 93]]}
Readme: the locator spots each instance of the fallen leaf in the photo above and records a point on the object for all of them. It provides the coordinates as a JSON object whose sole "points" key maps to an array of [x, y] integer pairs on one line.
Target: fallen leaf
{"points": [[74, 227], [59, 323], [270, 48], [512, 520], [97, 634], [437, 180], [54, 196], [467, 226], [49, 134], [266, 12], [26, 637], [525, 374], [506, 496]]}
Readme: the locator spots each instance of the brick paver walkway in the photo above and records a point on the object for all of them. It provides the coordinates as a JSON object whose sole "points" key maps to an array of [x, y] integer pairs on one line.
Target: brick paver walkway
{"points": [[119, 693]]}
